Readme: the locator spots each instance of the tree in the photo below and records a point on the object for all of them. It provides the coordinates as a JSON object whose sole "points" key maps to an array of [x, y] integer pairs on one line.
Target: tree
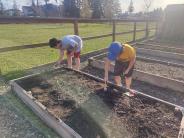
{"points": [[148, 4], [1, 8], [131, 7], [85, 10], [15, 9], [97, 10], [46, 1], [60, 7], [71, 8], [111, 8], [116, 8], [108, 9], [36, 8]]}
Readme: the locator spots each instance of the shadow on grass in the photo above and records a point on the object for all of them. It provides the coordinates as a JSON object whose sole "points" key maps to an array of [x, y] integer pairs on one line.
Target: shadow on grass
{"points": [[13, 75]]}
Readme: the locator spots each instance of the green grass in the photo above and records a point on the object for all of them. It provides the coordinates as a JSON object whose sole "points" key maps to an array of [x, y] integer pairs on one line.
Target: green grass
{"points": [[13, 64]]}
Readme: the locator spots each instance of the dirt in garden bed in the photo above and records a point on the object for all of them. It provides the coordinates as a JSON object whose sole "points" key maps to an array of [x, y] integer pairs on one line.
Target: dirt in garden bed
{"points": [[166, 44], [160, 69], [161, 93], [87, 108]]}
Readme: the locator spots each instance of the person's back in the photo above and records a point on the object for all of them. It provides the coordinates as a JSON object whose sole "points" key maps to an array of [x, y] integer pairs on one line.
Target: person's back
{"points": [[127, 54], [71, 41]]}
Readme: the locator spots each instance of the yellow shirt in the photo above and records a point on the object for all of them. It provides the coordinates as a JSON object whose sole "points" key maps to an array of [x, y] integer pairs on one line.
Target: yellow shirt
{"points": [[128, 53]]}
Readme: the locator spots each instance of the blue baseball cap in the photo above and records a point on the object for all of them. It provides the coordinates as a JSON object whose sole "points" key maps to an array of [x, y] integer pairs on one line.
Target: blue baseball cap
{"points": [[114, 50]]}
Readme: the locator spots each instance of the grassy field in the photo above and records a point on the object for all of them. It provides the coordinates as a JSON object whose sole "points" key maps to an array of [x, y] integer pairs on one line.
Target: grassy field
{"points": [[13, 64]]}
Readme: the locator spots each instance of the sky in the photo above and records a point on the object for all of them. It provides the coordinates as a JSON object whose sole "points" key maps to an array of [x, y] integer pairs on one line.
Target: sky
{"points": [[138, 4]]}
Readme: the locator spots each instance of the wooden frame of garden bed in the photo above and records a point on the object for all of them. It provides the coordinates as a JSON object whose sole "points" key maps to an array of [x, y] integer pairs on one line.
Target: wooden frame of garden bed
{"points": [[142, 76], [160, 47], [57, 124], [41, 111], [147, 60], [181, 132], [161, 54]]}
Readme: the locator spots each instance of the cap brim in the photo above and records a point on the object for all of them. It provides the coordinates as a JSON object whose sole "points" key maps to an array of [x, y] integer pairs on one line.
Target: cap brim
{"points": [[111, 57]]}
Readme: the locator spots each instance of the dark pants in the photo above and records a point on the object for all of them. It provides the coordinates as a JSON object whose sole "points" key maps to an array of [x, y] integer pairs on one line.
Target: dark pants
{"points": [[121, 67]]}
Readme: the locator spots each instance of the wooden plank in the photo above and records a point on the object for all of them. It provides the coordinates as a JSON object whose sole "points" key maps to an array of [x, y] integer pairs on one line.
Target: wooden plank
{"points": [[30, 20], [176, 57], [76, 27], [114, 31], [156, 32], [96, 37], [160, 61], [134, 35], [13, 48], [160, 47], [122, 33], [56, 124], [147, 31]]}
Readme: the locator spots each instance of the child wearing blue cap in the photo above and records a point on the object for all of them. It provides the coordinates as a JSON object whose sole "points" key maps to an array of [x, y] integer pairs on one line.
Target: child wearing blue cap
{"points": [[124, 56], [72, 44]]}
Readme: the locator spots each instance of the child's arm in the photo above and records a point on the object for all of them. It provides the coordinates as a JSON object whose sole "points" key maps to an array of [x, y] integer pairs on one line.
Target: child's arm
{"points": [[132, 62], [107, 64], [61, 56]]}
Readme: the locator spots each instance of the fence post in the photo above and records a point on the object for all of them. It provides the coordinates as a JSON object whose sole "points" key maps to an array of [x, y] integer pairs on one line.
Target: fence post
{"points": [[114, 31], [134, 35], [147, 29], [156, 31], [76, 28]]}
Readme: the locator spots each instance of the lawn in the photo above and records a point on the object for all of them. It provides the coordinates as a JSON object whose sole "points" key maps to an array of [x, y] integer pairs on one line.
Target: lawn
{"points": [[13, 64]]}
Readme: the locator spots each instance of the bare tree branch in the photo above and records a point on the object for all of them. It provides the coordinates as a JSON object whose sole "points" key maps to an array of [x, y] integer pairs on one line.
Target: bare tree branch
{"points": [[148, 4]]}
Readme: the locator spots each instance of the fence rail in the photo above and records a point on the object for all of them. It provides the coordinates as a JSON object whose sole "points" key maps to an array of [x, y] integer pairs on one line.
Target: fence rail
{"points": [[29, 20], [75, 22]]}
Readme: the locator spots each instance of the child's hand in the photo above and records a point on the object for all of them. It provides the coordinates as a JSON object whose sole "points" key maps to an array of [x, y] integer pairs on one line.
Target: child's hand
{"points": [[126, 72]]}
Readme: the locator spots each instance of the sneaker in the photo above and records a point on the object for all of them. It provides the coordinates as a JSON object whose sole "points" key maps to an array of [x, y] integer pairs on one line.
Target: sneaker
{"points": [[131, 93]]}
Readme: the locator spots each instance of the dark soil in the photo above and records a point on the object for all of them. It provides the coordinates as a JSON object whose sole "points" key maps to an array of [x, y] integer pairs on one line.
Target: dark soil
{"points": [[87, 108], [161, 93], [159, 69]]}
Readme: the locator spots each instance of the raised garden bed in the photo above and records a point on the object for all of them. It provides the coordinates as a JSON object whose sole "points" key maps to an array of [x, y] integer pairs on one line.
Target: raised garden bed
{"points": [[161, 55], [161, 47], [169, 70], [166, 94], [160, 69], [80, 101], [150, 72], [164, 43]]}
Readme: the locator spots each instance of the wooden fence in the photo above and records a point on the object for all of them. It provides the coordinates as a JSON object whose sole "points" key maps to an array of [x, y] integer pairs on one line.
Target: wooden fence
{"points": [[75, 22]]}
